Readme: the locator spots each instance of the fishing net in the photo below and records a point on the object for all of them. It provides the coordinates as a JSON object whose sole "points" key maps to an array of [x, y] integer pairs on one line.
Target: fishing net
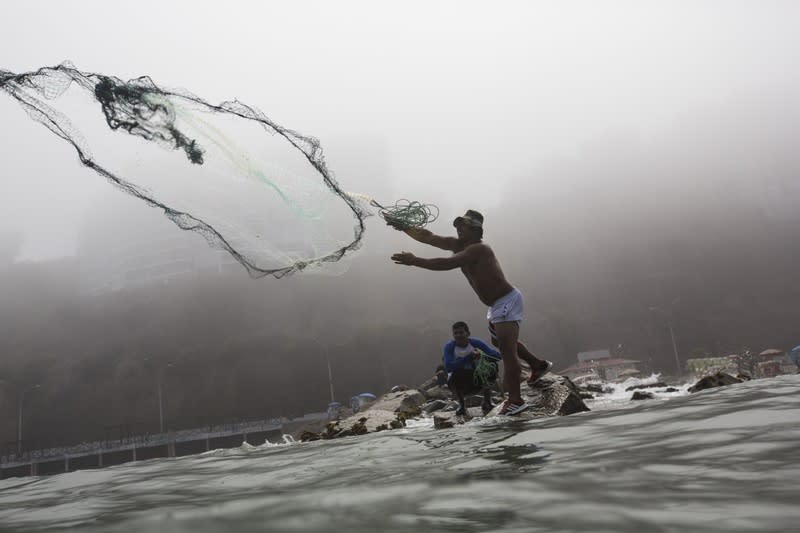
{"points": [[250, 186], [485, 373], [406, 214]]}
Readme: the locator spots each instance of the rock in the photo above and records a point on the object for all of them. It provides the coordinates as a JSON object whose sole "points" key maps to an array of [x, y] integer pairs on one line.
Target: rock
{"points": [[671, 389], [586, 396], [444, 420], [473, 401], [650, 386], [438, 393], [408, 403], [429, 384], [389, 411], [399, 388], [435, 405], [552, 395], [639, 395], [307, 436], [556, 395], [720, 379]]}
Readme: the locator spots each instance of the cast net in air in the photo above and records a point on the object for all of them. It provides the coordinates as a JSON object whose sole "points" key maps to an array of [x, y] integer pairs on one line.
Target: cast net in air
{"points": [[258, 190]]}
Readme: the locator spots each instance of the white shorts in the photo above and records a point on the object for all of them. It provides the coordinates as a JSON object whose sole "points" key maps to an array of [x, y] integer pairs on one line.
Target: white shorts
{"points": [[508, 308]]}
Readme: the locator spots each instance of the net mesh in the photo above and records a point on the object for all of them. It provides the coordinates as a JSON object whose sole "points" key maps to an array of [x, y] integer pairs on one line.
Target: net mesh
{"points": [[260, 191]]}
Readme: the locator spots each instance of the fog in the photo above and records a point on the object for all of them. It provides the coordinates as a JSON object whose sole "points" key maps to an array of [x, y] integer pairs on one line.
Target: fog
{"points": [[627, 156]]}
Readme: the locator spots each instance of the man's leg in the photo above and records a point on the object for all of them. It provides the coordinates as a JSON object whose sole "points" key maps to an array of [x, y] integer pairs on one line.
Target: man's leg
{"points": [[487, 404], [525, 354], [488, 387], [507, 337], [462, 406], [539, 367], [522, 352], [457, 381]]}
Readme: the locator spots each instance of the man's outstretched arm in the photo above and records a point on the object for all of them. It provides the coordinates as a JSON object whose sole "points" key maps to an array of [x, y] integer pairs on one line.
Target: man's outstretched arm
{"points": [[462, 258], [428, 237]]}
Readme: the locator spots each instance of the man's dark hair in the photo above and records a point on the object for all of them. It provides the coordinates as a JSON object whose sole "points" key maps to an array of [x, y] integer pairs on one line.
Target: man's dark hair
{"points": [[461, 324]]}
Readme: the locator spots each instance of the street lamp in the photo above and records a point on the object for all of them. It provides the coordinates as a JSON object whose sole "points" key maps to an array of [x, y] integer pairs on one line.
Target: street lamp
{"points": [[159, 378], [671, 336], [20, 404]]}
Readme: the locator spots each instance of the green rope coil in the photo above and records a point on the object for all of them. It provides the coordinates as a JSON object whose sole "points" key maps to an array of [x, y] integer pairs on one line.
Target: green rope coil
{"points": [[485, 370], [406, 214]]}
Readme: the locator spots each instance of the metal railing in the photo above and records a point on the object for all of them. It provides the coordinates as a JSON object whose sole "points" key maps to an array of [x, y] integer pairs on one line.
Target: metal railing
{"points": [[141, 441]]}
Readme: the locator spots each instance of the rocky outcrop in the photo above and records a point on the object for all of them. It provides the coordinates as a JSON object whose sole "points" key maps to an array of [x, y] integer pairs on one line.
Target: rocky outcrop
{"points": [[642, 395], [720, 379], [407, 402], [390, 411], [552, 395]]}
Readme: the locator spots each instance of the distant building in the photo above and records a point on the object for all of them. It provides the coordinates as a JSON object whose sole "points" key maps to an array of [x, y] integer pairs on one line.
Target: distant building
{"points": [[124, 244], [773, 362], [593, 355], [769, 363], [601, 364], [704, 366]]}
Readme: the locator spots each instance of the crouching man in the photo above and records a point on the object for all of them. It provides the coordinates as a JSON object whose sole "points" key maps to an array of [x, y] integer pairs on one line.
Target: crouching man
{"points": [[471, 365]]}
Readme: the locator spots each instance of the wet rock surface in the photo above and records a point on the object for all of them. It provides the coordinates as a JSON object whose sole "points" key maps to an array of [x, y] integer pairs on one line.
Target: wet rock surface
{"points": [[655, 385], [720, 379]]}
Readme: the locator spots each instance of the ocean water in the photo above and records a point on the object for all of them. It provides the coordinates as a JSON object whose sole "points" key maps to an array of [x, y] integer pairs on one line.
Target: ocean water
{"points": [[719, 460]]}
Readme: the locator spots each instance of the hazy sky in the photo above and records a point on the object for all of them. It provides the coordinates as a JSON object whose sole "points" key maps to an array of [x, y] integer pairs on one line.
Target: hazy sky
{"points": [[453, 99]]}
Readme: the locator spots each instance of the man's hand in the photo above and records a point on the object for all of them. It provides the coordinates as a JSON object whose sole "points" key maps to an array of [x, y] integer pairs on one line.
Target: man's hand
{"points": [[395, 223], [404, 258]]}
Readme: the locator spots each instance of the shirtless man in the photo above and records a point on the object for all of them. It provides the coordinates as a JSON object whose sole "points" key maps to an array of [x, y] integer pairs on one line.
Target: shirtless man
{"points": [[482, 270]]}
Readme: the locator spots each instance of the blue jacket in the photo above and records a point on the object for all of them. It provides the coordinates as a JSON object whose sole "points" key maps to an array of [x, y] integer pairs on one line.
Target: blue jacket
{"points": [[451, 362]]}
